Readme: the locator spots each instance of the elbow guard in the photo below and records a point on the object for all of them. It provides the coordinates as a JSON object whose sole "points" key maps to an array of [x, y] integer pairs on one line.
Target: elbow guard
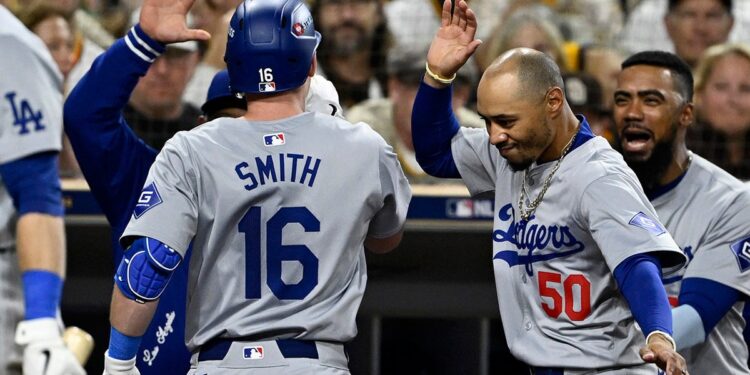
{"points": [[145, 269]]}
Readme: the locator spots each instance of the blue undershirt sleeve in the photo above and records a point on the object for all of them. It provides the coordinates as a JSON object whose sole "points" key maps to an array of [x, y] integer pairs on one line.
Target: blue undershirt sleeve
{"points": [[433, 127], [712, 300], [639, 279], [34, 184], [113, 159]]}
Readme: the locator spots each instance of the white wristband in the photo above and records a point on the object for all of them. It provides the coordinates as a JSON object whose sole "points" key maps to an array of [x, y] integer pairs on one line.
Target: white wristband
{"points": [[437, 77], [666, 335]]}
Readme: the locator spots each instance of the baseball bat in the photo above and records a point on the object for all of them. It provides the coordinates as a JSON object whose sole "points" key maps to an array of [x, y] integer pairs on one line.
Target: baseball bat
{"points": [[79, 342]]}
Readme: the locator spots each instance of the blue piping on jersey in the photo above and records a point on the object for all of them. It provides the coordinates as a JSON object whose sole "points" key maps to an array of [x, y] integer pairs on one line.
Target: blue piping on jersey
{"points": [[658, 191], [583, 135]]}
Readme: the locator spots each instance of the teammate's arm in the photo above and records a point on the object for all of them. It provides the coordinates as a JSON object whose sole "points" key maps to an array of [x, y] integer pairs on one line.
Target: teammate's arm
{"points": [[433, 122], [703, 303]]}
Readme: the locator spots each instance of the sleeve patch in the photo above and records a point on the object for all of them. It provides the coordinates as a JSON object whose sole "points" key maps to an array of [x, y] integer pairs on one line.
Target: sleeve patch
{"points": [[741, 250], [642, 221], [148, 199]]}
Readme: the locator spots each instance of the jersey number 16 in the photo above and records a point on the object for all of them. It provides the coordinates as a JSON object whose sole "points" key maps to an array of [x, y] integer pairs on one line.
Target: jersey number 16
{"points": [[277, 253]]}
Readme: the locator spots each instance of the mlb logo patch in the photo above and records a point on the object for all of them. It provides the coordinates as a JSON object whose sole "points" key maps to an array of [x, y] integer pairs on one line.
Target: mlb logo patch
{"points": [[640, 220], [148, 199], [741, 250], [252, 352], [267, 86], [274, 139]]}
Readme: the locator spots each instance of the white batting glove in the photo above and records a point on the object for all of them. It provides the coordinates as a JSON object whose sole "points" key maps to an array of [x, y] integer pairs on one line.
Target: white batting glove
{"points": [[44, 351], [114, 366]]}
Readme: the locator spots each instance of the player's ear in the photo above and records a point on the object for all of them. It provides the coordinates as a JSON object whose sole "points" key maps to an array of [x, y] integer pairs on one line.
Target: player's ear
{"points": [[313, 66], [686, 115], [554, 101]]}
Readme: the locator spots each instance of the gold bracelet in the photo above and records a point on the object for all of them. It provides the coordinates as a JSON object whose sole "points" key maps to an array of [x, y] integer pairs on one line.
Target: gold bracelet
{"points": [[666, 335], [438, 78]]}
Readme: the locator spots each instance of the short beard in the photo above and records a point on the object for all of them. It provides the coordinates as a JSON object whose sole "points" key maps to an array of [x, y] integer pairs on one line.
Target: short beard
{"points": [[651, 171], [347, 47], [538, 138]]}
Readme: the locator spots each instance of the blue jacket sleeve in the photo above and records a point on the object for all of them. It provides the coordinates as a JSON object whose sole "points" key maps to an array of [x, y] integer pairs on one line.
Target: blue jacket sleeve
{"points": [[639, 279], [113, 159], [712, 300], [433, 126]]}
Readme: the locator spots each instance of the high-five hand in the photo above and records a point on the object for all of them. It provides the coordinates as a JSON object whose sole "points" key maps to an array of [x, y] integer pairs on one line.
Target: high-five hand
{"points": [[454, 42], [166, 21]]}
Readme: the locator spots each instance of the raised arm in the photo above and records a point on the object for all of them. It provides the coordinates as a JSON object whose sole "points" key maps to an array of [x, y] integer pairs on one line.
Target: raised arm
{"points": [[433, 121], [113, 159]]}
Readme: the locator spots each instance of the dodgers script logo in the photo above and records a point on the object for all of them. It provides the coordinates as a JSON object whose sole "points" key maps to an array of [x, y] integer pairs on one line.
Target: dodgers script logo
{"points": [[533, 236]]}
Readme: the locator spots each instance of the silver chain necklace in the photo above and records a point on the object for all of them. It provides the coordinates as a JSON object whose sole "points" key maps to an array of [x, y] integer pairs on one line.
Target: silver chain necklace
{"points": [[526, 214]]}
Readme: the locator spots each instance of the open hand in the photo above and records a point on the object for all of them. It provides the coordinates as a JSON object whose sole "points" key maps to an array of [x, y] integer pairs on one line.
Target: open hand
{"points": [[166, 21], [454, 42]]}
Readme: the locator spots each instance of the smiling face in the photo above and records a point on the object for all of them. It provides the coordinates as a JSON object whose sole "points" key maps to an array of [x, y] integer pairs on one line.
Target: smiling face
{"points": [[516, 123]]}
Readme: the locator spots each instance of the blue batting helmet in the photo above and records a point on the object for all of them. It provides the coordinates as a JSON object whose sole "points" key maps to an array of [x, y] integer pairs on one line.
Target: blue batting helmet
{"points": [[270, 46]]}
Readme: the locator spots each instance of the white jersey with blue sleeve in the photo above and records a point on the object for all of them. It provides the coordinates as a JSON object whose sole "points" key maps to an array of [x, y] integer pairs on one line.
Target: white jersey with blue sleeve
{"points": [[277, 213], [559, 301], [707, 214]]}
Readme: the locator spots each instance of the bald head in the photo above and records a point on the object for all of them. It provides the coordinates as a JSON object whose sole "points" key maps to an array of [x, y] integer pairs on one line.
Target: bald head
{"points": [[535, 71]]}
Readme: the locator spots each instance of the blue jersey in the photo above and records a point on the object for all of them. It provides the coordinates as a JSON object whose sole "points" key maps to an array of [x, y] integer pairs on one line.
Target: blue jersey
{"points": [[115, 163]]}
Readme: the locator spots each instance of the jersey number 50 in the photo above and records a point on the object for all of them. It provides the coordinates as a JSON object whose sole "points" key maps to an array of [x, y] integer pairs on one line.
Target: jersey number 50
{"points": [[546, 279], [277, 253]]}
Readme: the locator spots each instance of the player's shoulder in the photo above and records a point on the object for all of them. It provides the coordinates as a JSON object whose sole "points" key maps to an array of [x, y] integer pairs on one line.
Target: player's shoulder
{"points": [[716, 185], [595, 160], [356, 133], [15, 37]]}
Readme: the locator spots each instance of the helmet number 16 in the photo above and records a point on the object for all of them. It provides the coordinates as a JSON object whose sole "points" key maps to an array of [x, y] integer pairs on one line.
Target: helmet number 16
{"points": [[266, 74]]}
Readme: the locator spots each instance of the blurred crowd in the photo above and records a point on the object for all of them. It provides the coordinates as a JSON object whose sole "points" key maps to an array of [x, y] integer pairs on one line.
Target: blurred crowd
{"points": [[373, 52]]}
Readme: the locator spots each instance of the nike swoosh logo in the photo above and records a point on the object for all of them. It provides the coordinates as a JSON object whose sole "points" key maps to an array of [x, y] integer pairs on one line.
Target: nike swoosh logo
{"points": [[333, 109], [46, 355]]}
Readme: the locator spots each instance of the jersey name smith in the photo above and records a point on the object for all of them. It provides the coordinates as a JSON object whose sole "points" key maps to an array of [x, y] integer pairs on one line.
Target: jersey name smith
{"points": [[285, 167]]}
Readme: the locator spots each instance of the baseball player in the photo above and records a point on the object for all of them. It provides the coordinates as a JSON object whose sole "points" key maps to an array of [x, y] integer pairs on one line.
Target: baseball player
{"points": [[32, 240], [98, 133], [577, 248], [702, 206]]}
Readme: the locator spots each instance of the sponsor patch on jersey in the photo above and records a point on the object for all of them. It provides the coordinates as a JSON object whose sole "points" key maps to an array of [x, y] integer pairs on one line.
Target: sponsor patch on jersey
{"points": [[148, 199], [252, 352], [640, 220], [741, 250], [267, 86], [276, 139]]}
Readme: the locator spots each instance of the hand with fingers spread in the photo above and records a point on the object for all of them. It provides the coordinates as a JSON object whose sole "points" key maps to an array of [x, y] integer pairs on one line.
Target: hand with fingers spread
{"points": [[454, 42], [166, 21], [661, 350]]}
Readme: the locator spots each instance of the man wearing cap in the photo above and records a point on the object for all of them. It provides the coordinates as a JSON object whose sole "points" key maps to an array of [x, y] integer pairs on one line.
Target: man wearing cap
{"points": [[391, 116]]}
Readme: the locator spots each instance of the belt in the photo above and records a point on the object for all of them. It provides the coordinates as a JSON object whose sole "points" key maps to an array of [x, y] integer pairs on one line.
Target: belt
{"points": [[547, 371], [217, 349]]}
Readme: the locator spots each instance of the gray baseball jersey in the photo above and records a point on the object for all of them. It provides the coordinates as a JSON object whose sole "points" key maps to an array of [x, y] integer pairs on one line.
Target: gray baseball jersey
{"points": [[277, 212], [707, 214], [559, 302], [30, 103], [30, 122]]}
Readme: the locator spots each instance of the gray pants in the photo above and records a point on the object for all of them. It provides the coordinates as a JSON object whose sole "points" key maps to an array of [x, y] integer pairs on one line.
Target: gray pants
{"points": [[331, 360], [11, 312]]}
